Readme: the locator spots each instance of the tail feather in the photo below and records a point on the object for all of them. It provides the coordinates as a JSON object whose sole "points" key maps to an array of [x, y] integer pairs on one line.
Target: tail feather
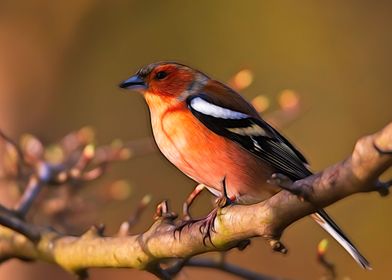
{"points": [[322, 218]]}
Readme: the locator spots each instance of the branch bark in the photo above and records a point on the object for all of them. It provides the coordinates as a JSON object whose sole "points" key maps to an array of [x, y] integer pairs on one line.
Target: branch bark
{"points": [[358, 173]]}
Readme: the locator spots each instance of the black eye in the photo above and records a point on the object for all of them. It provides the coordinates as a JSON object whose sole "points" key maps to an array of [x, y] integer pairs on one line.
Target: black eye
{"points": [[161, 75]]}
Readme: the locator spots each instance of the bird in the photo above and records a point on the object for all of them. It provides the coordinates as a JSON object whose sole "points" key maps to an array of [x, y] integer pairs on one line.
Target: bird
{"points": [[214, 136]]}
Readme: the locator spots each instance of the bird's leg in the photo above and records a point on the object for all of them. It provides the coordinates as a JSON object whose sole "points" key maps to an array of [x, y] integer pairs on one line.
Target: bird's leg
{"points": [[207, 223], [187, 204], [187, 219], [224, 199], [207, 226]]}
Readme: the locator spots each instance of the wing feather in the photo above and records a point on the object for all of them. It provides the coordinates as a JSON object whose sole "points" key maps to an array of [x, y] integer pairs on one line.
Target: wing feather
{"points": [[253, 134]]}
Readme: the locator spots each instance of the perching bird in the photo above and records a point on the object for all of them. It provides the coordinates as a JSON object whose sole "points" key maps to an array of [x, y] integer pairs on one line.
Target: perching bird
{"points": [[214, 136]]}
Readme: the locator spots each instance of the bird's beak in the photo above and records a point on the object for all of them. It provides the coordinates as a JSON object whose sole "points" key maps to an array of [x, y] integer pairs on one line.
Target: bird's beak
{"points": [[134, 82]]}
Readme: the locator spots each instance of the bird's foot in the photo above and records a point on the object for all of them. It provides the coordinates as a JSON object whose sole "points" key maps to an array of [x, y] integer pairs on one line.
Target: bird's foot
{"points": [[303, 192], [207, 223], [183, 223], [222, 202], [206, 227]]}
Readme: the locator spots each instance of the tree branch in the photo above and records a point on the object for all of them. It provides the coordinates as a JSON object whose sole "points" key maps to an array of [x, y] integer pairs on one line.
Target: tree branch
{"points": [[219, 265], [233, 224], [10, 220], [79, 163]]}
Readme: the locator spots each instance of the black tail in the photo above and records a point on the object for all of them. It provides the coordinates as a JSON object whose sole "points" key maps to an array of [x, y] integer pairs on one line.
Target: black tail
{"points": [[322, 218]]}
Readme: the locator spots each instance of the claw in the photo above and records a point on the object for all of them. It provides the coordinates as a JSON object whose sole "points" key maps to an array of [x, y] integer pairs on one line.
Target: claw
{"points": [[208, 226], [182, 225]]}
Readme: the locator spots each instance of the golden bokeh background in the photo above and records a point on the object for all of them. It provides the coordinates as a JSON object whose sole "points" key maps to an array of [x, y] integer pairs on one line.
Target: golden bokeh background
{"points": [[61, 62]]}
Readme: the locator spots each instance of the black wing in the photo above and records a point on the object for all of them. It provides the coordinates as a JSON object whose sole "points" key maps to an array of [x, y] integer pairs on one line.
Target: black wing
{"points": [[254, 135]]}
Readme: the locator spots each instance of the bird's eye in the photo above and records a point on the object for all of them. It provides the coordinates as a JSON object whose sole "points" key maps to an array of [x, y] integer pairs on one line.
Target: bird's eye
{"points": [[161, 75]]}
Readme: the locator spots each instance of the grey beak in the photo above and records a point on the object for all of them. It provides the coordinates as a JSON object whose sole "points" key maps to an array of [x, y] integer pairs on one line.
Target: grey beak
{"points": [[134, 82]]}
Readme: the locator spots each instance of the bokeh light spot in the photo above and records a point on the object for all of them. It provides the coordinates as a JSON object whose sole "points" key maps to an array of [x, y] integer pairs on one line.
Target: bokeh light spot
{"points": [[120, 190], [242, 79], [288, 99], [54, 154], [261, 103]]}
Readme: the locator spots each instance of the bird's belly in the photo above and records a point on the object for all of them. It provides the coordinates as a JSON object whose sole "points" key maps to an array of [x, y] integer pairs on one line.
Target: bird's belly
{"points": [[209, 159]]}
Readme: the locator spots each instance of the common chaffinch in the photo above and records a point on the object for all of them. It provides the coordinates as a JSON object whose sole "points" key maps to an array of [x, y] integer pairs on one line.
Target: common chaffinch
{"points": [[214, 136]]}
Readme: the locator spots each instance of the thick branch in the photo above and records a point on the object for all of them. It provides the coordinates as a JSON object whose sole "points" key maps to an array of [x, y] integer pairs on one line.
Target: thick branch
{"points": [[358, 173]]}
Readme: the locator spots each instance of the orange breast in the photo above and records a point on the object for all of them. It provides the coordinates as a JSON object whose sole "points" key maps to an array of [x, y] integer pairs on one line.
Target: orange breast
{"points": [[207, 157]]}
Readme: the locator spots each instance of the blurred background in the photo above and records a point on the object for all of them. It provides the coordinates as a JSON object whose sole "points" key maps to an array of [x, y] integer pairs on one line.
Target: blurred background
{"points": [[61, 62]]}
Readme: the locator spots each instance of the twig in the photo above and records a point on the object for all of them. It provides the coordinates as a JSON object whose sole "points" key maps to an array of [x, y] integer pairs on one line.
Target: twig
{"points": [[10, 220], [19, 152], [221, 265], [32, 190], [229, 268], [80, 163], [321, 258], [127, 225]]}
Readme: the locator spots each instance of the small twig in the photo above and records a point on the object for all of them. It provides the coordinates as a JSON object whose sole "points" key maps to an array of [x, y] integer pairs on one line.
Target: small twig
{"points": [[17, 149], [219, 265], [282, 181], [141, 147], [321, 258], [174, 269], [80, 162], [159, 272], [122, 151], [383, 187], [162, 211], [302, 191], [127, 225], [32, 190], [139, 210], [10, 220]]}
